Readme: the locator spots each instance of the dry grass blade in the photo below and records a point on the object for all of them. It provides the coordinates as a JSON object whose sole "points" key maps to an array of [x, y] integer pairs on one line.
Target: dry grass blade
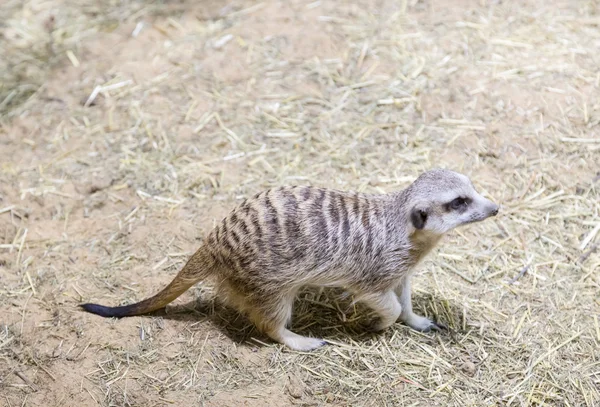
{"points": [[129, 128]]}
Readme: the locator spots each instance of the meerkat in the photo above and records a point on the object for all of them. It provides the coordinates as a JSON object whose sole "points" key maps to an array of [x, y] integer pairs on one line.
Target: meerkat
{"points": [[273, 244]]}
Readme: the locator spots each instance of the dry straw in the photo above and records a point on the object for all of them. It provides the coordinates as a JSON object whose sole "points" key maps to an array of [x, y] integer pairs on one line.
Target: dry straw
{"points": [[129, 128]]}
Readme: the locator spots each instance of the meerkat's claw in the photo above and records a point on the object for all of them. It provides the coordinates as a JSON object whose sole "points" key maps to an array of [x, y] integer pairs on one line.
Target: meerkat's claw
{"points": [[435, 326], [422, 324], [438, 326]]}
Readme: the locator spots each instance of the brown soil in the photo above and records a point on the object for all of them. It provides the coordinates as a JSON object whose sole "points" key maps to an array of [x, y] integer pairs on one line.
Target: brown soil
{"points": [[219, 100]]}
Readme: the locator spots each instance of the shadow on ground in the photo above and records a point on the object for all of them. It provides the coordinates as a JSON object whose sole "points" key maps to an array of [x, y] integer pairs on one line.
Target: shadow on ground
{"points": [[327, 314]]}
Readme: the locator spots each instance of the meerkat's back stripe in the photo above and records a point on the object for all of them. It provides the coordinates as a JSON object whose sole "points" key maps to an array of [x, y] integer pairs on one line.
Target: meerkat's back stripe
{"points": [[334, 211], [292, 226], [317, 215], [332, 218], [344, 217]]}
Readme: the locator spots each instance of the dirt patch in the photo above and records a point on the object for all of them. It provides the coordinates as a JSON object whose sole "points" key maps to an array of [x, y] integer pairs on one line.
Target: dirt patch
{"points": [[129, 130]]}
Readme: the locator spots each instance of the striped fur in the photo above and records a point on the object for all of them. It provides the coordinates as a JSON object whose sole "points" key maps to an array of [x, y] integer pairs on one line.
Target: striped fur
{"points": [[283, 239]]}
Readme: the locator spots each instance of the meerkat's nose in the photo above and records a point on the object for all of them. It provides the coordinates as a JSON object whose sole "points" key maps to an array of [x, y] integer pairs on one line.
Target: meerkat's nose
{"points": [[494, 210]]}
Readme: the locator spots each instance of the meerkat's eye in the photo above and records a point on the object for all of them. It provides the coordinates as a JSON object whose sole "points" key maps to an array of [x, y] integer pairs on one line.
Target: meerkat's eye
{"points": [[458, 203]]}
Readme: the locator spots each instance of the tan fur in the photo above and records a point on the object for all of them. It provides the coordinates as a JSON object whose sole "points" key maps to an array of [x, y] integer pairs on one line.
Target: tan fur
{"points": [[283, 239]]}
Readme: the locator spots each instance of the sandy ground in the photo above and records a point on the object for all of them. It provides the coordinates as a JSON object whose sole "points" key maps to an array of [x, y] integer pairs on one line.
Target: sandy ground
{"points": [[104, 194]]}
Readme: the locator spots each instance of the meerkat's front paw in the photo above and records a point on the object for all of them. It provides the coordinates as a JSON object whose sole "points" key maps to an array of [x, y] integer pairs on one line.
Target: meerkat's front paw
{"points": [[422, 324]]}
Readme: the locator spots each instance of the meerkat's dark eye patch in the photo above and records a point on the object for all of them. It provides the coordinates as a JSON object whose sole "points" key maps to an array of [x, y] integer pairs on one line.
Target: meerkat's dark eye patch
{"points": [[458, 204]]}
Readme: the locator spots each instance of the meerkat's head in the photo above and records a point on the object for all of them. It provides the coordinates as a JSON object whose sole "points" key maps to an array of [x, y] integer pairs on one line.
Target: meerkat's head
{"points": [[441, 200]]}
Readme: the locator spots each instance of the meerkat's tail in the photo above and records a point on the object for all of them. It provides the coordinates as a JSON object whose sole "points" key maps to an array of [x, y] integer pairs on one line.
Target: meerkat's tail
{"points": [[158, 301], [196, 269]]}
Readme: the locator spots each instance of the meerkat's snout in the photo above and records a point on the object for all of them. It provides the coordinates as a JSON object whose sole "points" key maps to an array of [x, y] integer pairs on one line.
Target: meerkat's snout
{"points": [[494, 209], [489, 208]]}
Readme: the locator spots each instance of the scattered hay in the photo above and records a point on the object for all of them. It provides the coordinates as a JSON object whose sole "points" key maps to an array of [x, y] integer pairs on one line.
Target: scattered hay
{"points": [[39, 36], [131, 127]]}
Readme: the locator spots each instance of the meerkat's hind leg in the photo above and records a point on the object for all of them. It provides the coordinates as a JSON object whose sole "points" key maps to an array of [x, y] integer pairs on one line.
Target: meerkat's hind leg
{"points": [[272, 316], [386, 305], [295, 341]]}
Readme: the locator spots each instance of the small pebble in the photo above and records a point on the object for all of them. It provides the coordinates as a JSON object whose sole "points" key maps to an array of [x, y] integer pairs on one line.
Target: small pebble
{"points": [[469, 368]]}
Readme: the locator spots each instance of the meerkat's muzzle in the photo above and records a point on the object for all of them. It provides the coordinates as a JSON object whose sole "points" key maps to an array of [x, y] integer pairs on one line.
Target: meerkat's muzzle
{"points": [[486, 209], [490, 208]]}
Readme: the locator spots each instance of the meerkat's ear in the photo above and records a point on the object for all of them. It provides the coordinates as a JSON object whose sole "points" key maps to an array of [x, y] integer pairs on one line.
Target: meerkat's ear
{"points": [[418, 216]]}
